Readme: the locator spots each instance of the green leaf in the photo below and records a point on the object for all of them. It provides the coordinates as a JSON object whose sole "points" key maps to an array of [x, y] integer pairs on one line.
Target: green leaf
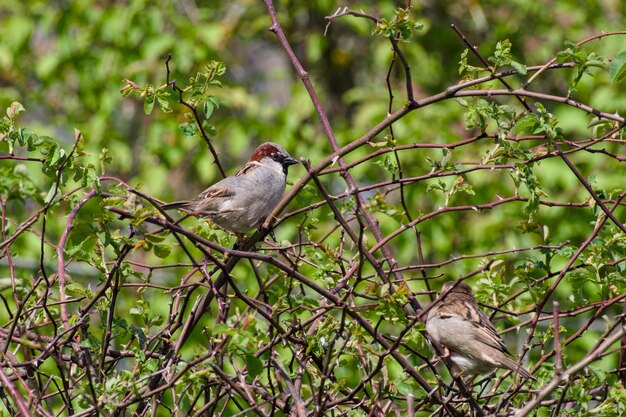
{"points": [[208, 108], [53, 192], [148, 105], [89, 176], [521, 68], [140, 334], [164, 103], [400, 27], [14, 110], [209, 129], [154, 238], [502, 54], [162, 251], [76, 290], [142, 214], [465, 67], [617, 69], [189, 129], [254, 365], [26, 138], [438, 186], [526, 124], [388, 164]]}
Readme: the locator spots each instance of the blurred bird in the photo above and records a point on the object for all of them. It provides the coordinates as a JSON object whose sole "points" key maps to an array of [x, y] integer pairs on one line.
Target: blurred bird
{"points": [[239, 203], [465, 333]]}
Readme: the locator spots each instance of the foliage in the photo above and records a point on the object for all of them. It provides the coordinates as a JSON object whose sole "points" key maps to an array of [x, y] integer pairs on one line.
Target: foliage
{"points": [[494, 156]]}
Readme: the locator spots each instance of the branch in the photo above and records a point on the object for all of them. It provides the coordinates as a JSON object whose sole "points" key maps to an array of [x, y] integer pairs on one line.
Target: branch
{"points": [[558, 379]]}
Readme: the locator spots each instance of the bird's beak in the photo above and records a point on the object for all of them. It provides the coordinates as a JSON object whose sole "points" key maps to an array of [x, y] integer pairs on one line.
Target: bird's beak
{"points": [[290, 161]]}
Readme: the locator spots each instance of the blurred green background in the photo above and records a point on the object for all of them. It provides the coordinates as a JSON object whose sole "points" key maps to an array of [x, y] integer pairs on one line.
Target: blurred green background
{"points": [[66, 62]]}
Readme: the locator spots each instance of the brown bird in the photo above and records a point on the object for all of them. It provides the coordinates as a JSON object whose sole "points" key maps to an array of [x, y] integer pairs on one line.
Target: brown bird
{"points": [[465, 333], [241, 202]]}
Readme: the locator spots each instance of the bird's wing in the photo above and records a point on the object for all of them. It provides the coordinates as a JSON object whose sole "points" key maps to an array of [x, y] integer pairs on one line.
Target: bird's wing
{"points": [[212, 198], [214, 192], [247, 169], [487, 334], [484, 330]]}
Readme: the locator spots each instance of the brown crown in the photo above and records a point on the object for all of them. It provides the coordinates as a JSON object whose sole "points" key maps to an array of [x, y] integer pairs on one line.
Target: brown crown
{"points": [[265, 150], [457, 287]]}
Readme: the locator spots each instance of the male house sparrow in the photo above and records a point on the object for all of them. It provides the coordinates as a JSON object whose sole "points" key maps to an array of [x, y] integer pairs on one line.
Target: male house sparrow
{"points": [[240, 202], [465, 332]]}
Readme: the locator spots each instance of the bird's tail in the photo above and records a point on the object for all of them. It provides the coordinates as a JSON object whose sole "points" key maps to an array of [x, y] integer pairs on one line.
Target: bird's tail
{"points": [[176, 205], [514, 366]]}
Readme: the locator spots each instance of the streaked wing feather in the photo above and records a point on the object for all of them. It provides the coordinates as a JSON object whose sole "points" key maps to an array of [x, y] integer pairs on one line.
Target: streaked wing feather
{"points": [[211, 201], [485, 333], [488, 334], [214, 193], [248, 168]]}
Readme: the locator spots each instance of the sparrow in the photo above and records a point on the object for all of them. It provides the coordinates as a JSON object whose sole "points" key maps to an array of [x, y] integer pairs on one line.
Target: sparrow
{"points": [[465, 333], [242, 201]]}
